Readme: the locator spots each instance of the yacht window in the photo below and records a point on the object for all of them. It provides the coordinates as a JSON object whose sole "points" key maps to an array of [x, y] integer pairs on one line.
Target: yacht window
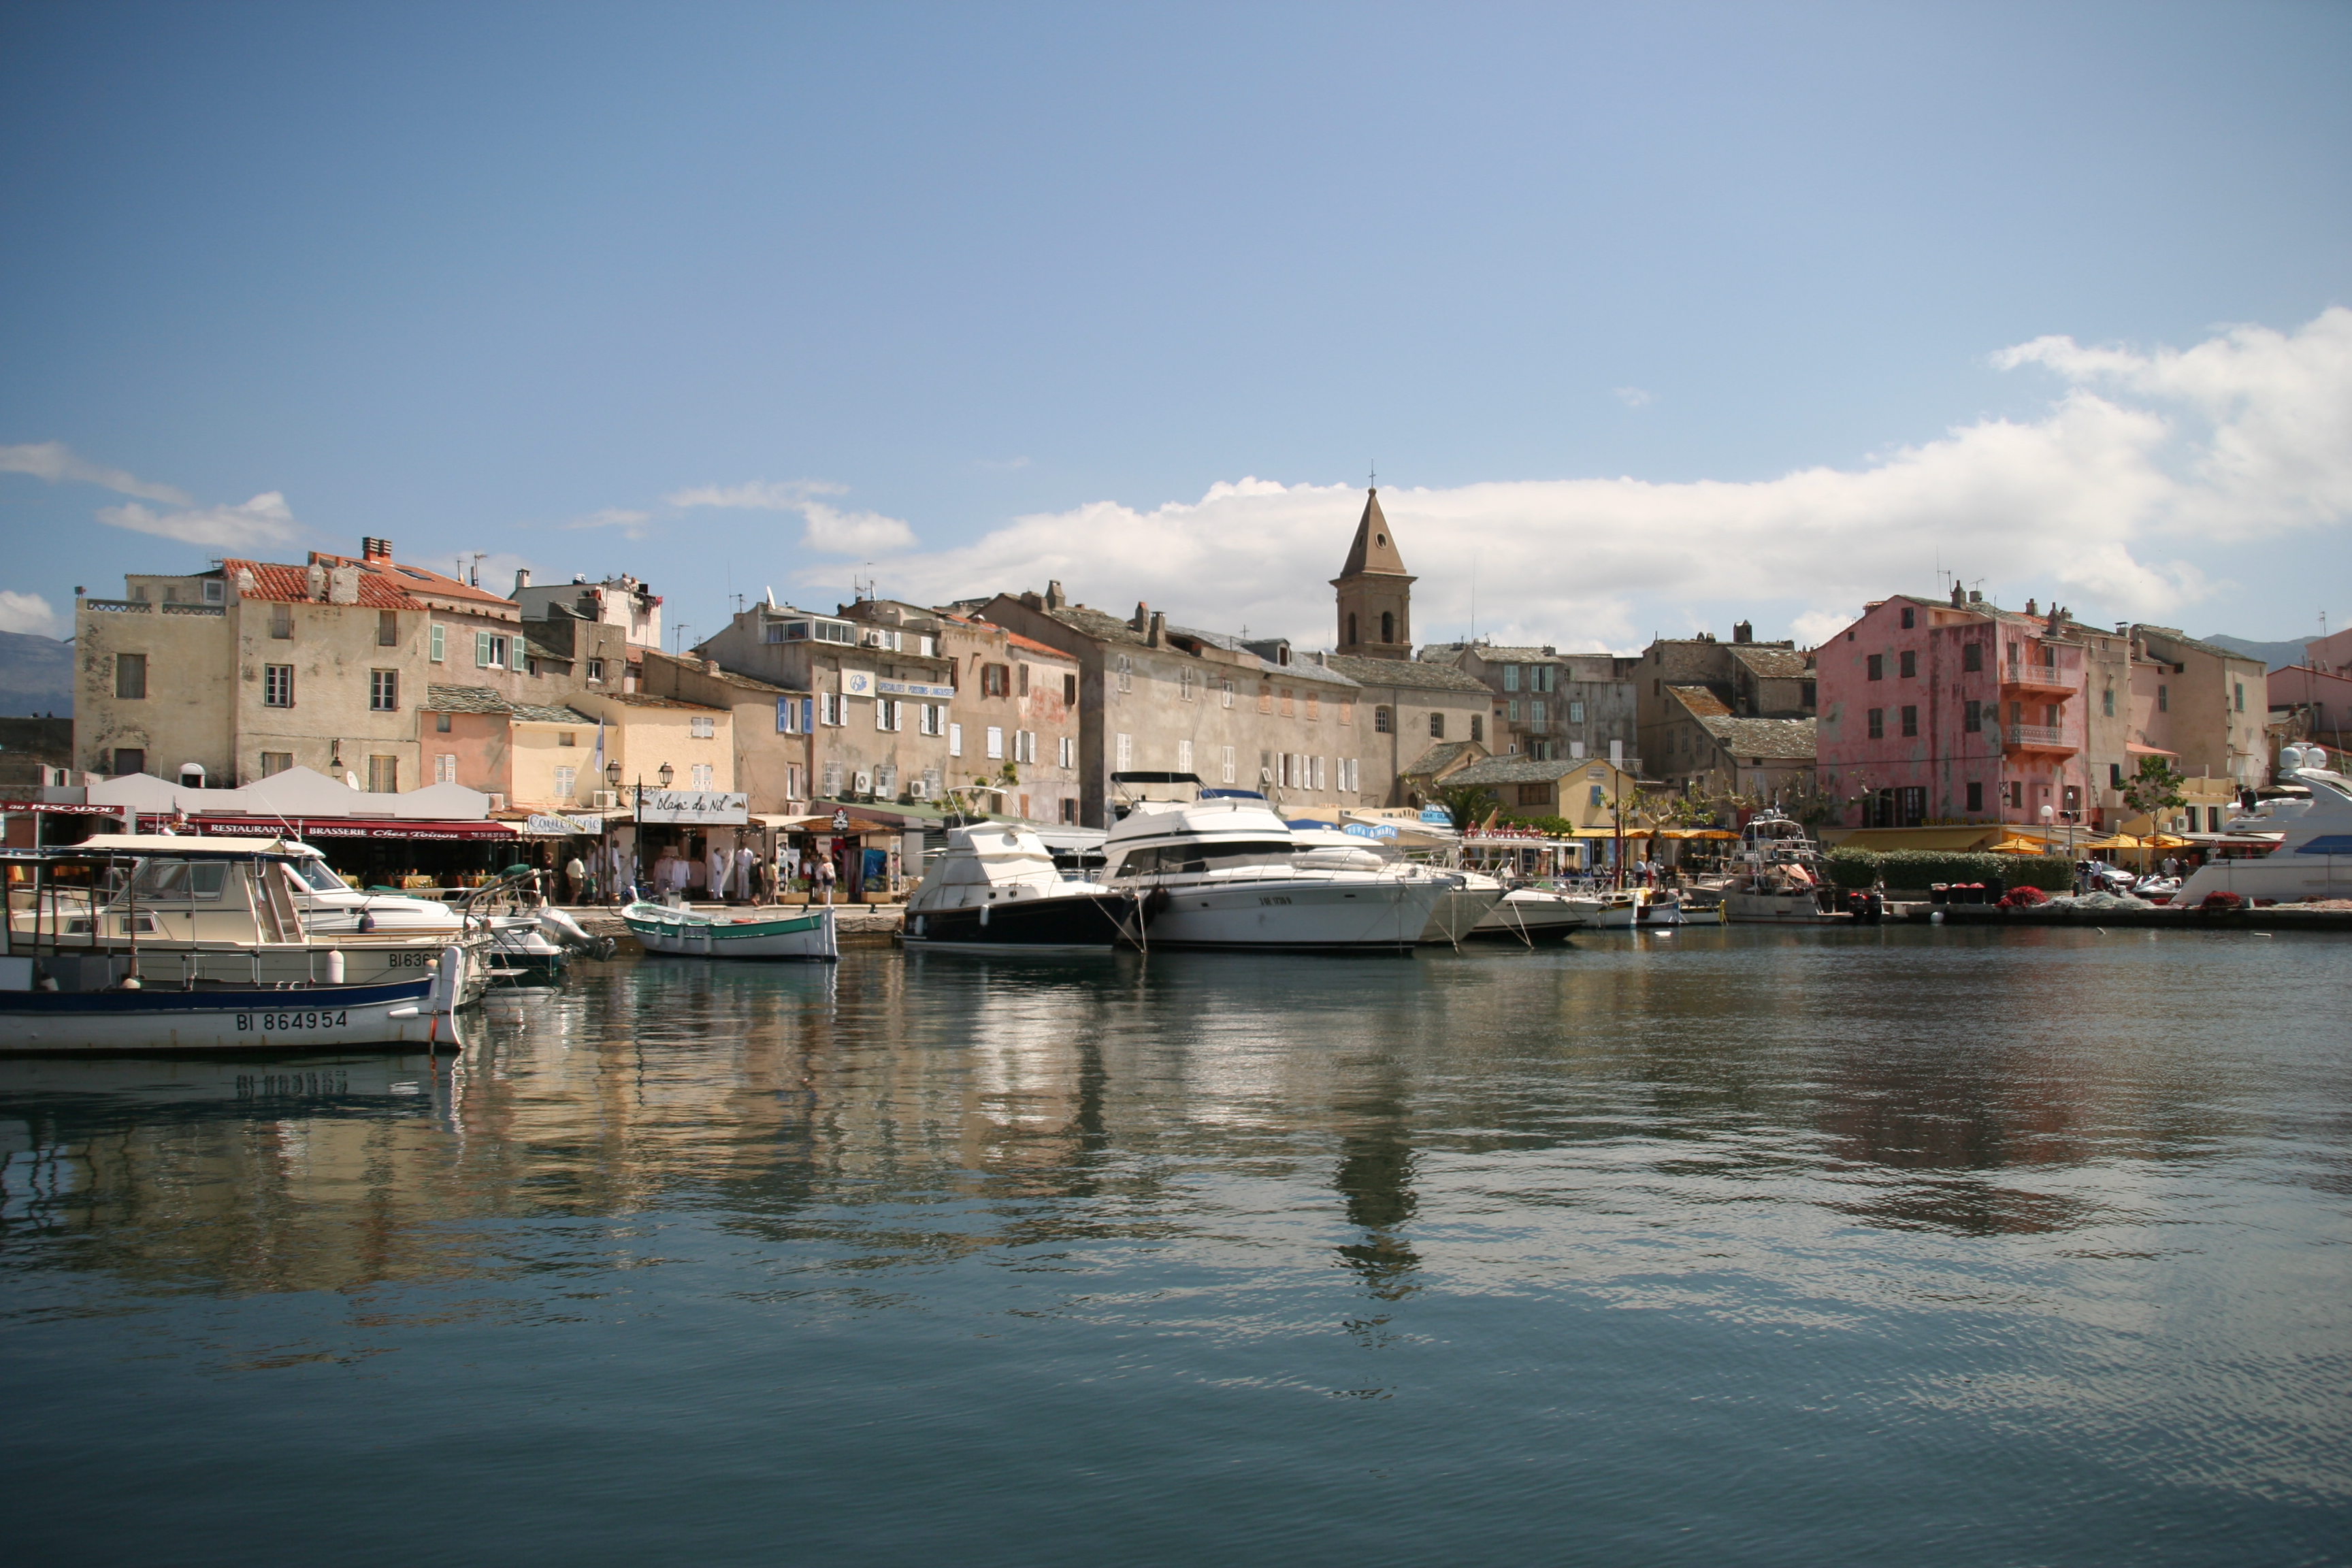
{"points": [[320, 878], [176, 879]]}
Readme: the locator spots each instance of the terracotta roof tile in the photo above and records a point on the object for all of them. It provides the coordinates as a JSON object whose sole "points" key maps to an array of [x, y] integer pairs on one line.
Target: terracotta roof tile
{"points": [[282, 583]]}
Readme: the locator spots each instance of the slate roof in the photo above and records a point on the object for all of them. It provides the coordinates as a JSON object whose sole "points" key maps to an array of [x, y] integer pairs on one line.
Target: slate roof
{"points": [[538, 713], [1439, 757], [1775, 739], [1772, 663], [1099, 625], [276, 580], [645, 700], [1406, 673], [1702, 703], [1518, 770], [482, 700], [1493, 654]]}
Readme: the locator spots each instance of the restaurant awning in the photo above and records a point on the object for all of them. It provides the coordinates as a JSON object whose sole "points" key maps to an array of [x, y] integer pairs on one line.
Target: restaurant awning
{"points": [[1696, 833], [378, 827], [1957, 836], [2135, 749]]}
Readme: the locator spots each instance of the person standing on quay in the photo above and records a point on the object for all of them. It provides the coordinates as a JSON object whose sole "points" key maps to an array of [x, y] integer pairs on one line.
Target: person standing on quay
{"points": [[720, 864], [576, 877]]}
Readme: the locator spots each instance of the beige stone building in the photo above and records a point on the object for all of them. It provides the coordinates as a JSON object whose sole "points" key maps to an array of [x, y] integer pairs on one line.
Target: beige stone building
{"points": [[770, 726], [1748, 679]]}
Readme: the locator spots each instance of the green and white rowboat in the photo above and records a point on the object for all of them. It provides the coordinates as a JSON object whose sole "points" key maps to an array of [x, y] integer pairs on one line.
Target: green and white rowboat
{"points": [[804, 933]]}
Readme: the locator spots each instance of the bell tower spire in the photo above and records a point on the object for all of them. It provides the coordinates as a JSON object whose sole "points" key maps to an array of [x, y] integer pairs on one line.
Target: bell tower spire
{"points": [[1374, 589]]}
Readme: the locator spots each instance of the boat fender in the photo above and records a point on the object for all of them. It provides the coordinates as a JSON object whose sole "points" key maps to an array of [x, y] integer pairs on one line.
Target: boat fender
{"points": [[983, 916], [335, 966], [1156, 901], [1935, 919], [448, 980]]}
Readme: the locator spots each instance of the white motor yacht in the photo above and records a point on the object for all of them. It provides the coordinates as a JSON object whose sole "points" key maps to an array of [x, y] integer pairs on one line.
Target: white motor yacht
{"points": [[1776, 876], [2313, 856], [996, 889], [1218, 868], [1460, 912]]}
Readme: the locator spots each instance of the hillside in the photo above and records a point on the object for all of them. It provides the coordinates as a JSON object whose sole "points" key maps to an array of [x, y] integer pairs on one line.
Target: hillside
{"points": [[2277, 655], [37, 675]]}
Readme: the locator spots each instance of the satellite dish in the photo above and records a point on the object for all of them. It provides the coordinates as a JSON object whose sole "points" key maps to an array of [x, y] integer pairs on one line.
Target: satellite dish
{"points": [[351, 780]]}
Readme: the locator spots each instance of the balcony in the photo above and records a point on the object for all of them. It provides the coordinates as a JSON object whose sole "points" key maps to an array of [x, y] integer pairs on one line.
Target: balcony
{"points": [[2042, 680], [2049, 739]]}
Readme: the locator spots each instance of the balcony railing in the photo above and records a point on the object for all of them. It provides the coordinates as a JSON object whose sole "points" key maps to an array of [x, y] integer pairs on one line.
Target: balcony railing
{"points": [[2018, 672], [119, 607], [2037, 735], [195, 609]]}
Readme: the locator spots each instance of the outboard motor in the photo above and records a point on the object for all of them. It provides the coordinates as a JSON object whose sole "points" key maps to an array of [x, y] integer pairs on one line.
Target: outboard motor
{"points": [[562, 929]]}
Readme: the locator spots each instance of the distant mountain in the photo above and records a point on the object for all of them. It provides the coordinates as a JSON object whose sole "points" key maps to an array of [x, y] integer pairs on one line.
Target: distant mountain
{"points": [[37, 675], [2277, 655]]}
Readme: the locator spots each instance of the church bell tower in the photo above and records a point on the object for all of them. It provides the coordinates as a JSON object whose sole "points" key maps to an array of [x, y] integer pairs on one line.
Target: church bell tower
{"points": [[1375, 591]]}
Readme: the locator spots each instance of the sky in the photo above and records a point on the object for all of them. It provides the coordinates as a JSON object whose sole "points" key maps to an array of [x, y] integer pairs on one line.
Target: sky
{"points": [[1649, 318]]}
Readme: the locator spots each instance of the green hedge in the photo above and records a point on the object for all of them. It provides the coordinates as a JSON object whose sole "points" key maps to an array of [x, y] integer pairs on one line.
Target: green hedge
{"points": [[1854, 869], [2050, 873]]}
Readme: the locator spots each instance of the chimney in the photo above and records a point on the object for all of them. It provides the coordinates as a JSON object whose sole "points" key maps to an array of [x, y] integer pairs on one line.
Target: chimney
{"points": [[1158, 635], [1035, 600], [1742, 631], [1055, 598], [1976, 595], [1142, 621], [1955, 595], [2030, 609], [376, 550], [314, 583], [523, 578]]}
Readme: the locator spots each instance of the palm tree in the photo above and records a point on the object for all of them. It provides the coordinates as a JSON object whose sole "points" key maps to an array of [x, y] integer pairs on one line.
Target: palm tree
{"points": [[1466, 804]]}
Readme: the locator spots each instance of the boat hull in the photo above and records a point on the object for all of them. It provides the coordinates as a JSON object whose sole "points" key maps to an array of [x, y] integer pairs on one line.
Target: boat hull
{"points": [[155, 1020], [2287, 876], [808, 936], [1460, 913], [1367, 916], [1528, 916], [1084, 922], [1778, 909]]}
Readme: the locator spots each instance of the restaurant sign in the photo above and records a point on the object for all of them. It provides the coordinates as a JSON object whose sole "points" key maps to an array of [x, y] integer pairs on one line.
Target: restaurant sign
{"points": [[541, 824], [1371, 830], [695, 808]]}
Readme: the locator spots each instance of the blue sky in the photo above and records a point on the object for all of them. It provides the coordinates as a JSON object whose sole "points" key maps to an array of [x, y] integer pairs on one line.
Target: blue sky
{"points": [[1652, 316]]}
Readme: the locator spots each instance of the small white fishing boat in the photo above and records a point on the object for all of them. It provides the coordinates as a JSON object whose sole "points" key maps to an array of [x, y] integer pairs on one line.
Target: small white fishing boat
{"points": [[1638, 909], [781, 934], [997, 890]]}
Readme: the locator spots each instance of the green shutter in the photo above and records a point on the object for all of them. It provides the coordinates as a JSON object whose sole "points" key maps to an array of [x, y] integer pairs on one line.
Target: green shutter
{"points": [[482, 650]]}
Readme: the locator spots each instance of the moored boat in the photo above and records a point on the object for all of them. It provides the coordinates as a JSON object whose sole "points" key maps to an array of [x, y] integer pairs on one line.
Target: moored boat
{"points": [[2312, 856], [779, 934], [1776, 876], [996, 889]]}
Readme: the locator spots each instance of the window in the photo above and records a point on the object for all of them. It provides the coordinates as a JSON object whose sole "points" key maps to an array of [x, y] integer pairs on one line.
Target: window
{"points": [[387, 628], [1320, 773], [1351, 640], [1976, 789], [1313, 706], [930, 717], [1593, 795], [1125, 753], [1025, 680], [1288, 710], [1535, 795], [130, 760], [1388, 627], [445, 768], [889, 713], [276, 762], [383, 775], [1348, 711], [1972, 656], [996, 681], [831, 787], [1264, 698], [1184, 685], [281, 621], [704, 776], [1069, 811], [436, 644], [833, 707], [2049, 714], [215, 591], [567, 738], [130, 674], [277, 686], [1910, 662], [2115, 775], [1437, 726], [2164, 700], [1382, 723], [832, 631], [2241, 703], [566, 778], [1347, 773], [1066, 752], [955, 740], [1913, 805], [1024, 745], [1877, 666], [1910, 617], [1126, 674], [493, 651], [1070, 690], [1225, 692], [1478, 727], [384, 690], [1576, 712], [1972, 717], [1510, 678], [530, 665], [995, 744], [702, 727], [1183, 756], [1910, 719], [596, 669], [1225, 765], [1877, 723], [787, 716]]}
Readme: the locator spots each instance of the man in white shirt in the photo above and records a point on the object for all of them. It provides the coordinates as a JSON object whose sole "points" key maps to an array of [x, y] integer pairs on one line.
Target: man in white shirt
{"points": [[721, 863], [747, 874]]}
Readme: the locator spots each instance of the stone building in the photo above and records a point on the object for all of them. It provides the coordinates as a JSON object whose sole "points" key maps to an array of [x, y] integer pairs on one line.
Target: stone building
{"points": [[770, 726], [1750, 680], [1550, 705]]}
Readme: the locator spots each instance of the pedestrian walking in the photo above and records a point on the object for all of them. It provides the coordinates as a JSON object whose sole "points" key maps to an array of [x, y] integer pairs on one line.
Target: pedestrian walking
{"points": [[575, 874]]}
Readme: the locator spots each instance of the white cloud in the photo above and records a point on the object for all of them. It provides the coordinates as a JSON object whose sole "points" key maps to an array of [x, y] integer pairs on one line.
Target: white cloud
{"points": [[834, 533], [2104, 500], [263, 520], [632, 524], [758, 495], [53, 461], [28, 613], [1631, 396]]}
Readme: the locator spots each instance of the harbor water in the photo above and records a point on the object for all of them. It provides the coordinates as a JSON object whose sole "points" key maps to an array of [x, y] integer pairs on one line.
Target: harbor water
{"points": [[1727, 1246]]}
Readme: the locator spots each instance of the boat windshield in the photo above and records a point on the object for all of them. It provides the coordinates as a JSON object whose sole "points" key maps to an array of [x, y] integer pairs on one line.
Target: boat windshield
{"points": [[171, 881], [316, 876], [1162, 859]]}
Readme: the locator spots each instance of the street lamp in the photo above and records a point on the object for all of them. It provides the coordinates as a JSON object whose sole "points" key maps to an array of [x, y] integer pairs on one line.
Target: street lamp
{"points": [[611, 775], [665, 774]]}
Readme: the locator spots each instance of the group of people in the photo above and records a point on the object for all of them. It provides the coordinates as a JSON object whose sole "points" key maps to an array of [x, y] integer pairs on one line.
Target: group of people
{"points": [[737, 876]]}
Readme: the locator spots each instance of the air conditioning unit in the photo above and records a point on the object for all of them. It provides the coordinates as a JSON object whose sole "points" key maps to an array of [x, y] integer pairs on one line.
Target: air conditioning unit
{"points": [[498, 802], [918, 790], [606, 799], [862, 784]]}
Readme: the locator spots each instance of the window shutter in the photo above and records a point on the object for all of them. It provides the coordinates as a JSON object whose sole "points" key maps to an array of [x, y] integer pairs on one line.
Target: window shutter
{"points": [[482, 650]]}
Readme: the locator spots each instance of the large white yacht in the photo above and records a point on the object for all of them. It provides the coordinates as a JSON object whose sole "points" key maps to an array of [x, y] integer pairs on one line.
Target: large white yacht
{"points": [[2313, 857], [1219, 868]]}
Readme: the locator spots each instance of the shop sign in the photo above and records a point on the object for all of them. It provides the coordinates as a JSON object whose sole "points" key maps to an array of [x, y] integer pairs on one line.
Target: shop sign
{"points": [[1437, 815], [1371, 830], [857, 683], [696, 808], [912, 688], [548, 825]]}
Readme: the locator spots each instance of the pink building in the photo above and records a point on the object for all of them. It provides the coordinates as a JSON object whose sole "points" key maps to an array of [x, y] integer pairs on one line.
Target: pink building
{"points": [[1956, 712], [2321, 686]]}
